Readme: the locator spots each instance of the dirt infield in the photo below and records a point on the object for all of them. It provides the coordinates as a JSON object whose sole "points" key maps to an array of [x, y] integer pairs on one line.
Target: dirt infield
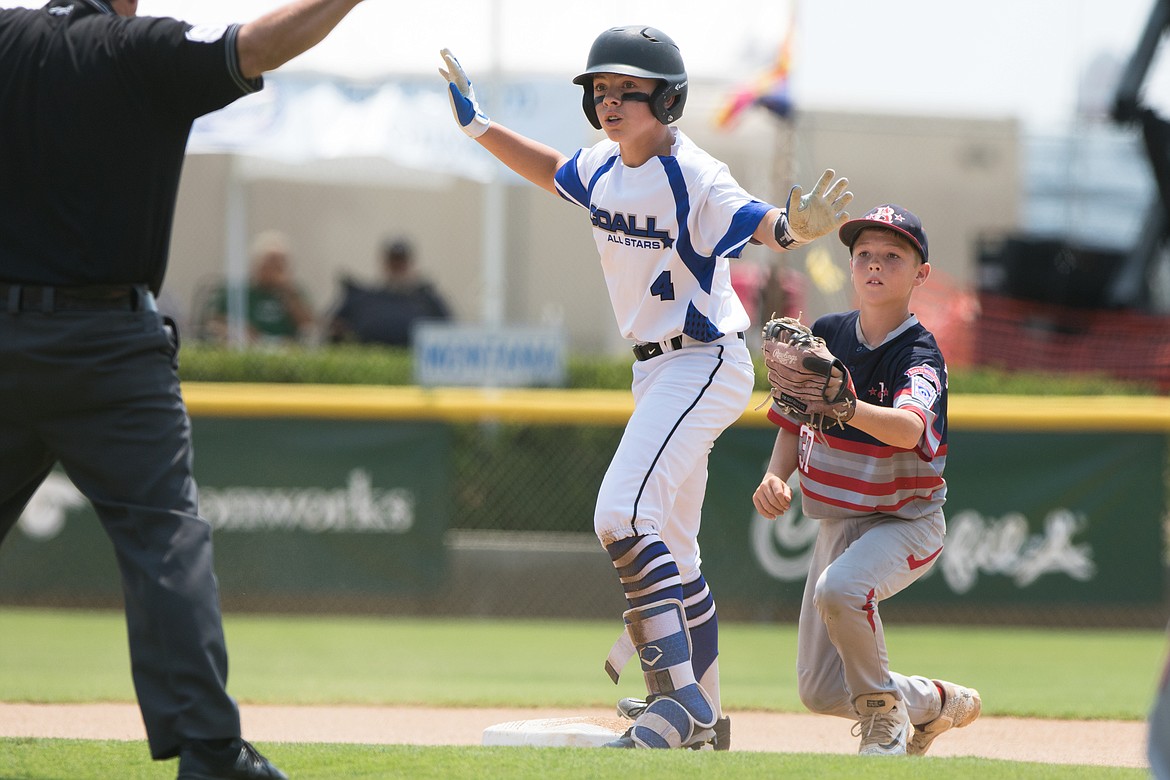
{"points": [[1108, 743]]}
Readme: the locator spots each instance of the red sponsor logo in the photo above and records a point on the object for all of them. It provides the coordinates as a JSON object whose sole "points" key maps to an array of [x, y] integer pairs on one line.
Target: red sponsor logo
{"points": [[918, 563]]}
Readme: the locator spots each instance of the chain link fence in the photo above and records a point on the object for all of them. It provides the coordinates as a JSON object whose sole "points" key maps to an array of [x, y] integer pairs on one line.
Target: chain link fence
{"points": [[521, 544], [504, 518]]}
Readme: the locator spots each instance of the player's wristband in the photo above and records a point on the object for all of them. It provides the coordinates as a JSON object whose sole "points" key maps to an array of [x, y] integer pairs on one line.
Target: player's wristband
{"points": [[783, 234]]}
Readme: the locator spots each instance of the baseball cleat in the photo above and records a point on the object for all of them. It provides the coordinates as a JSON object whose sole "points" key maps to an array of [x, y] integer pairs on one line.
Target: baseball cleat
{"points": [[630, 708], [883, 725], [625, 741], [960, 707]]}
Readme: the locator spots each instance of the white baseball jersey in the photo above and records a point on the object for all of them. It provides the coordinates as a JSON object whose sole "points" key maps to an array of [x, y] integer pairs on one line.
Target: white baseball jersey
{"points": [[665, 231]]}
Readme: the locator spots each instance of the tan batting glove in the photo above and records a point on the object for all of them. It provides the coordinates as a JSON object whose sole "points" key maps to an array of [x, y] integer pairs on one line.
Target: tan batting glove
{"points": [[472, 120], [818, 213]]}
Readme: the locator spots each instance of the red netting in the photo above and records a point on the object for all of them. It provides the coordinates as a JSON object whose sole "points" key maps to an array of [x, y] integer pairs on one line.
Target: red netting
{"points": [[1015, 334], [949, 312]]}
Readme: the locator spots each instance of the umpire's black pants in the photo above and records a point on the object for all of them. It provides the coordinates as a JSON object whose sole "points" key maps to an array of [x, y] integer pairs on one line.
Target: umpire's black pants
{"points": [[98, 391]]}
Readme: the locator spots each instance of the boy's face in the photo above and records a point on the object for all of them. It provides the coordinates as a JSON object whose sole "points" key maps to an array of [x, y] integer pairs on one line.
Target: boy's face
{"points": [[623, 105], [885, 266]]}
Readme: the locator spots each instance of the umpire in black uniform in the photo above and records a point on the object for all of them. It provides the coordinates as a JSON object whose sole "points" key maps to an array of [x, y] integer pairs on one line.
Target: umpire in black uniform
{"points": [[95, 109]]}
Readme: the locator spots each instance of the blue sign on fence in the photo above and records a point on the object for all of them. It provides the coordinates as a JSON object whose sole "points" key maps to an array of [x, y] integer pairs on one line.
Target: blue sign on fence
{"points": [[482, 356]]}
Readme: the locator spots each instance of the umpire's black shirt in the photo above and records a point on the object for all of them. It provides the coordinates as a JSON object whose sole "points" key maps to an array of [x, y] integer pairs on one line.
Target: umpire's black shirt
{"points": [[95, 110]]}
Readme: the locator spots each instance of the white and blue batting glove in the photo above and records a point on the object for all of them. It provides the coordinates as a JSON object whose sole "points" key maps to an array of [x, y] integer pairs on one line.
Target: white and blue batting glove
{"points": [[471, 118]]}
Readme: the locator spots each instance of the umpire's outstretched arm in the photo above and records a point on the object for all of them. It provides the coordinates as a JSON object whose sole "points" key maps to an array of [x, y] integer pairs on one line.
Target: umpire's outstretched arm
{"points": [[275, 38]]}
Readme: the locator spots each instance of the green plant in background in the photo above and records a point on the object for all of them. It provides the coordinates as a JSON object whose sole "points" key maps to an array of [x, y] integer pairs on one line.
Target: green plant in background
{"points": [[378, 365], [996, 381], [342, 364]]}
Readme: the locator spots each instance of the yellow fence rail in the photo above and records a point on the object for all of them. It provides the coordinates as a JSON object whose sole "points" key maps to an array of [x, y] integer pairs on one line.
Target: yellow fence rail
{"points": [[613, 407]]}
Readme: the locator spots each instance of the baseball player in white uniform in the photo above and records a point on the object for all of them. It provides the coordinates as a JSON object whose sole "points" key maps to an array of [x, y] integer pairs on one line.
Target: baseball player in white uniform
{"points": [[667, 218]]}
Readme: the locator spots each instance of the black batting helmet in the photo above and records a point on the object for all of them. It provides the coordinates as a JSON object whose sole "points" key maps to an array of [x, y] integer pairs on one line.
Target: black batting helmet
{"points": [[639, 51]]}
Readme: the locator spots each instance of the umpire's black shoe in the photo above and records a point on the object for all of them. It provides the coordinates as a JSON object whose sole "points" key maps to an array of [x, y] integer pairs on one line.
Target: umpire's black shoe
{"points": [[235, 760]]}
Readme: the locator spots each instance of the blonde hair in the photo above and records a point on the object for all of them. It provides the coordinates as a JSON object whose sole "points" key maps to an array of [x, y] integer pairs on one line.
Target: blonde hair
{"points": [[269, 242]]}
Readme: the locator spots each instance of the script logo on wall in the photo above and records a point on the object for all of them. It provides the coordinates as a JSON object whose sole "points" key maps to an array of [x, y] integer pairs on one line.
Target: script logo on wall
{"points": [[44, 517], [1003, 546], [975, 545], [356, 507]]}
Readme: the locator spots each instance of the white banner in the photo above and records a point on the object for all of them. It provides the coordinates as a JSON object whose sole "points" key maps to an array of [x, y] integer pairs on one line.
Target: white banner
{"points": [[389, 129]]}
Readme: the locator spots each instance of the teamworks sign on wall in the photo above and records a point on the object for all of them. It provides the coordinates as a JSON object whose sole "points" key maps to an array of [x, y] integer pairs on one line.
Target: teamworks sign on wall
{"points": [[299, 509]]}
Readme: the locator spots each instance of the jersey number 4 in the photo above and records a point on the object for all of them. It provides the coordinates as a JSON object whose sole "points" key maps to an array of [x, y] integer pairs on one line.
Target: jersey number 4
{"points": [[663, 287]]}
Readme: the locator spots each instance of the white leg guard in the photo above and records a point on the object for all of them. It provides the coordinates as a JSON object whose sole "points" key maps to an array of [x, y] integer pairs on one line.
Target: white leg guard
{"points": [[710, 684], [680, 712]]}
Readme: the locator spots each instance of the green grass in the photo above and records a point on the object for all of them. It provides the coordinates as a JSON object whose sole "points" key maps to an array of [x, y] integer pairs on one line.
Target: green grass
{"points": [[509, 663], [76, 656], [100, 760]]}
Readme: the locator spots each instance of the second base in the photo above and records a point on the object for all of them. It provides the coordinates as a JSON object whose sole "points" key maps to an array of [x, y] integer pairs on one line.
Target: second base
{"points": [[554, 732]]}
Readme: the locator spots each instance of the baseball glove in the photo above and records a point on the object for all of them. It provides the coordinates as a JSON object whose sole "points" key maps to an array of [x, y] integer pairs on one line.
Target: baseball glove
{"points": [[808, 382]]}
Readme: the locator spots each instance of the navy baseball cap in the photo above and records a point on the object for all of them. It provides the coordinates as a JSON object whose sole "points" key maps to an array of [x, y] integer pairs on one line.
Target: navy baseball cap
{"points": [[891, 217]]}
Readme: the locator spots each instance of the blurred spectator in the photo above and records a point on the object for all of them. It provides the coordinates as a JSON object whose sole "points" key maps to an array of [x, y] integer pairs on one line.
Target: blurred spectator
{"points": [[783, 293], [276, 307], [386, 314]]}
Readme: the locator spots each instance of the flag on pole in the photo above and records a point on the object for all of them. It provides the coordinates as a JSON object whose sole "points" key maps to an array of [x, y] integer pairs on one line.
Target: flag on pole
{"points": [[770, 90]]}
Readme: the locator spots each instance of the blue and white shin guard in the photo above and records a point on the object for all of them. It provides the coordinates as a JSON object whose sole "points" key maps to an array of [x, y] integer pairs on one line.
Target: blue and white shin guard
{"points": [[680, 713]]}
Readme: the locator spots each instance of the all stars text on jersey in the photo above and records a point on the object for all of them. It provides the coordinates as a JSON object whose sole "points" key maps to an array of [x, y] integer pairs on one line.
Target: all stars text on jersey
{"points": [[641, 237]]}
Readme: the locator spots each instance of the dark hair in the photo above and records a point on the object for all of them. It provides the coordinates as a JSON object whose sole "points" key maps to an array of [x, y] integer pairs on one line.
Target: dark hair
{"points": [[397, 249]]}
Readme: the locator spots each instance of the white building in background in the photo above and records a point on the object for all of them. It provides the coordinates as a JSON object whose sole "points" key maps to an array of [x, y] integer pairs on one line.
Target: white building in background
{"points": [[280, 164]]}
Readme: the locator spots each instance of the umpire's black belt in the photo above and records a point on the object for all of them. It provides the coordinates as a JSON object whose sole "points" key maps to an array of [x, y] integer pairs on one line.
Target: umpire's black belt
{"points": [[96, 297], [654, 349]]}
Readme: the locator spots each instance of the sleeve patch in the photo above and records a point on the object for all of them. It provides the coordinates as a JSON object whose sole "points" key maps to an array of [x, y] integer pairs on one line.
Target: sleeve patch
{"points": [[206, 33], [923, 391]]}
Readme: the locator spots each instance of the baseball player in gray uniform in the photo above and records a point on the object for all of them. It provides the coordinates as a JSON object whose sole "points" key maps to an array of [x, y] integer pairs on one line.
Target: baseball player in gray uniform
{"points": [[667, 219], [876, 486]]}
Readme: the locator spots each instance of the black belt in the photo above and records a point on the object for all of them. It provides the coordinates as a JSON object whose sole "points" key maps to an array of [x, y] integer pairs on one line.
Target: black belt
{"points": [[654, 349], [98, 297]]}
